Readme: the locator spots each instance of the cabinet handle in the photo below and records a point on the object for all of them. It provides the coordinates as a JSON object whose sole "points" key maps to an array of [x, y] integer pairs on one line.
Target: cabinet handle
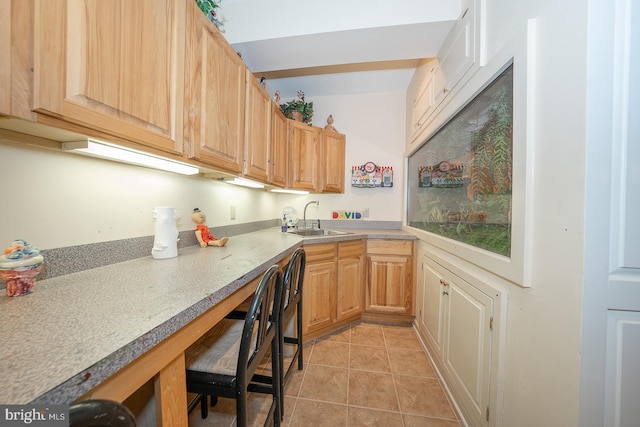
{"points": [[443, 282], [445, 293]]}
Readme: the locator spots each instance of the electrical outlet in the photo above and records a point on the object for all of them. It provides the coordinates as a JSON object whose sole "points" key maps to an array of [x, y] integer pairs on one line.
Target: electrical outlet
{"points": [[365, 212], [232, 212]]}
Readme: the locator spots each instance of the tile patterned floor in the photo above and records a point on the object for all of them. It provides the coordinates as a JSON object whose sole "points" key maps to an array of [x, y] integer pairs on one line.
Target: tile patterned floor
{"points": [[362, 375]]}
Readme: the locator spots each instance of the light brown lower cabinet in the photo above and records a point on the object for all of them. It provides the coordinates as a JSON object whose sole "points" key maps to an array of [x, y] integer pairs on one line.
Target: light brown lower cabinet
{"points": [[390, 278], [333, 285]]}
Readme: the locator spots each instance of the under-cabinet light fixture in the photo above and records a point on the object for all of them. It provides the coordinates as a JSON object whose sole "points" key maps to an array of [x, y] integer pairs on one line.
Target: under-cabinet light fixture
{"points": [[126, 155], [282, 190], [244, 183]]}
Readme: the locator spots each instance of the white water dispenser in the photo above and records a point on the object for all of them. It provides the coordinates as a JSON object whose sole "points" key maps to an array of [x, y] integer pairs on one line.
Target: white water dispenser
{"points": [[165, 242]]}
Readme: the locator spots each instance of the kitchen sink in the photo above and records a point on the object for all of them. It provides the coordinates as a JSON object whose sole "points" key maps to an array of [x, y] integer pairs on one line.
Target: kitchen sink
{"points": [[318, 232]]}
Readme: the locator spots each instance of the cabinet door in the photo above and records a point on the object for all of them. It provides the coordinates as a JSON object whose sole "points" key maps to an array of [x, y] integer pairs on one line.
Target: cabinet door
{"points": [[458, 52], [349, 299], [433, 309], [423, 105], [115, 66], [215, 95], [304, 155], [333, 147], [257, 130], [350, 285], [390, 283], [467, 352], [319, 295], [279, 147]]}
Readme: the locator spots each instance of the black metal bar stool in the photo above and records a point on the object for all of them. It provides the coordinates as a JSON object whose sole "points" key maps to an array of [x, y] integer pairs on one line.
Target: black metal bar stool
{"points": [[292, 304], [292, 296], [224, 361]]}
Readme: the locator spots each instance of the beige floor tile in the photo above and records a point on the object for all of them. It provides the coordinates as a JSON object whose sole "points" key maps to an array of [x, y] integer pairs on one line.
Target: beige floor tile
{"points": [[311, 413], [368, 358], [341, 335], [307, 349], [367, 334], [289, 405], [410, 362], [364, 417], [422, 396], [326, 383], [258, 409], [292, 387], [418, 421], [221, 415], [401, 337], [330, 353], [372, 390]]}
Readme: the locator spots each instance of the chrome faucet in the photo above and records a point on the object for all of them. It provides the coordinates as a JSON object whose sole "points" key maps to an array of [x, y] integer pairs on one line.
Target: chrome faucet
{"points": [[304, 216]]}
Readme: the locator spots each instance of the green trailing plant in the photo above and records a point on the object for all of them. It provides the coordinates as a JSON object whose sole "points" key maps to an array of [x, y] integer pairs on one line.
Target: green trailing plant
{"points": [[299, 105]]}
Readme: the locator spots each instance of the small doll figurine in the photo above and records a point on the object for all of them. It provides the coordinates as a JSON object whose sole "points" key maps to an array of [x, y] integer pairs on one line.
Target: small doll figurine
{"points": [[203, 234], [329, 125]]}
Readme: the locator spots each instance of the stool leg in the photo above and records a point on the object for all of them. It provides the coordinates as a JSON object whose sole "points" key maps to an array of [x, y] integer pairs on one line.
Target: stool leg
{"points": [[204, 409], [276, 376], [299, 325]]}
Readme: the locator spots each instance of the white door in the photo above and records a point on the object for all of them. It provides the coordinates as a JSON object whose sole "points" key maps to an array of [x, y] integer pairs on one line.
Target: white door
{"points": [[610, 379], [467, 349], [432, 313]]}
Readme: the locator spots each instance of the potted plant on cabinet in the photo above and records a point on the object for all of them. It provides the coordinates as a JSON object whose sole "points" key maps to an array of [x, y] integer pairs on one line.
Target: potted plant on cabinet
{"points": [[298, 109], [208, 7]]}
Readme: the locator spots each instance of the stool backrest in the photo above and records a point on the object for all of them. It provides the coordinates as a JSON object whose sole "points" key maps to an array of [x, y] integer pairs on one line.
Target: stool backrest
{"points": [[259, 326], [293, 278]]}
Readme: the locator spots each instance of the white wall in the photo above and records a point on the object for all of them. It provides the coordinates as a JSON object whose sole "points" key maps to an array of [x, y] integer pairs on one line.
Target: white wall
{"points": [[53, 199], [374, 126], [541, 358]]}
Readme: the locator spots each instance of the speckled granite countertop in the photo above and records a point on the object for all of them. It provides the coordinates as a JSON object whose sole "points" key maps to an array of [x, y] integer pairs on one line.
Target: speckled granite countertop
{"points": [[76, 330]]}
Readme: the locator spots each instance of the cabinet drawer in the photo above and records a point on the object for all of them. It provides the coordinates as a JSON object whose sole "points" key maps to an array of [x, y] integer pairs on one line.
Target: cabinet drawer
{"points": [[390, 247], [320, 251], [350, 248]]}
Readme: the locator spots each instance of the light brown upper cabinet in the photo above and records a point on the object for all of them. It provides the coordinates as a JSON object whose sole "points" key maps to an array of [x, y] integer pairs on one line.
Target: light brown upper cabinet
{"points": [[257, 130], [316, 159], [333, 148], [115, 66], [304, 156], [214, 96], [279, 146]]}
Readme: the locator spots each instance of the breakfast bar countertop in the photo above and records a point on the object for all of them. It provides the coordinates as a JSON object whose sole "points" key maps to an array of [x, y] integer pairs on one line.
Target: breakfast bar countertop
{"points": [[75, 331]]}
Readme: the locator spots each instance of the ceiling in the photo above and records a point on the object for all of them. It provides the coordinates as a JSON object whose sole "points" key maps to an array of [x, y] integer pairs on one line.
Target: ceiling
{"points": [[332, 47]]}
